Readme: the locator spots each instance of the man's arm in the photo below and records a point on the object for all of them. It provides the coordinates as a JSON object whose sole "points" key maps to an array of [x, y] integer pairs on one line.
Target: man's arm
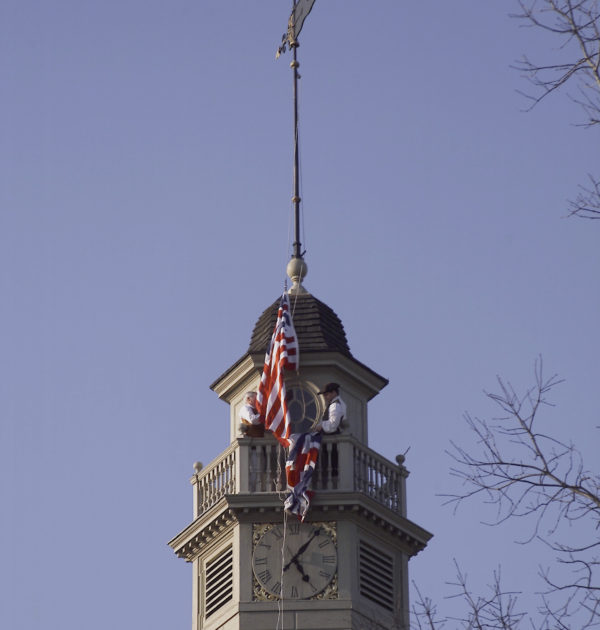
{"points": [[249, 415]]}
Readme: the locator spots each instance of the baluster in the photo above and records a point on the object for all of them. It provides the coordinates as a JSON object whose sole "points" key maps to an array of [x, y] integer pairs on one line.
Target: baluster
{"points": [[326, 466], [252, 466], [228, 475], [262, 468], [272, 481], [210, 490], [358, 474], [271, 469], [335, 466], [208, 486], [364, 470], [282, 485], [387, 488]]}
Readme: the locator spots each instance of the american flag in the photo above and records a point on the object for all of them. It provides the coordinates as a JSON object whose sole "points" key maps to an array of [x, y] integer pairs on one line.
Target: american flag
{"points": [[299, 469], [282, 354]]}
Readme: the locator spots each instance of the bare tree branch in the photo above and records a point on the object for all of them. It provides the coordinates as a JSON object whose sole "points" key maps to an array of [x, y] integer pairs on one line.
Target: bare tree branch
{"points": [[587, 203], [526, 473], [576, 26], [424, 613], [495, 610]]}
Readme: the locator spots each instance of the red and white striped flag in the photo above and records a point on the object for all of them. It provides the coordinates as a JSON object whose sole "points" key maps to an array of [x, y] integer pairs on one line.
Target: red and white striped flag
{"points": [[282, 354]]}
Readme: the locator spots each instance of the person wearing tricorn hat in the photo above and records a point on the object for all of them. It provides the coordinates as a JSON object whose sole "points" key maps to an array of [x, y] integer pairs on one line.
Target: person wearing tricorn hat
{"points": [[335, 410]]}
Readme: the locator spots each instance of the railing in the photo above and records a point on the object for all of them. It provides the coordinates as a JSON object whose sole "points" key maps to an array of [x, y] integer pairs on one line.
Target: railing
{"points": [[215, 481], [378, 478], [257, 465]]}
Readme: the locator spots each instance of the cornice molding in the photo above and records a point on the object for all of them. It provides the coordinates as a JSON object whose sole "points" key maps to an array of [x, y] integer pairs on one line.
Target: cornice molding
{"points": [[244, 370], [189, 543], [235, 508], [250, 365]]}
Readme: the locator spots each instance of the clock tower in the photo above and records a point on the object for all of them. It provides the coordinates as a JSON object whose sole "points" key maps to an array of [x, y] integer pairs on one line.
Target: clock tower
{"points": [[346, 566]]}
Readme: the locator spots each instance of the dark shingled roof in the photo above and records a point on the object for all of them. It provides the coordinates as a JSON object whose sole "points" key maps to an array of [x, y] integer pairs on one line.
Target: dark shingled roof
{"points": [[318, 328]]}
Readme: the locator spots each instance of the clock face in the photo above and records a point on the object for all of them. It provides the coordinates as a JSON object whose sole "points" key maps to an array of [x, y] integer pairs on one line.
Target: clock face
{"points": [[306, 566]]}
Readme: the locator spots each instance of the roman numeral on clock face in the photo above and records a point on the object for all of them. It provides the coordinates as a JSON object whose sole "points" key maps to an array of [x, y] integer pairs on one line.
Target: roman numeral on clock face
{"points": [[294, 529], [264, 576], [277, 533]]}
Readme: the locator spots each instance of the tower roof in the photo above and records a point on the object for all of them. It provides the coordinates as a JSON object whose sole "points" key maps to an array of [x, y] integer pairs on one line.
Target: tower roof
{"points": [[318, 328], [320, 332]]}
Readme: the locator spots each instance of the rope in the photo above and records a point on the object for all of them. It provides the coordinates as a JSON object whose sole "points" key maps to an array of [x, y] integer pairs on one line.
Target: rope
{"points": [[280, 601], [300, 178]]}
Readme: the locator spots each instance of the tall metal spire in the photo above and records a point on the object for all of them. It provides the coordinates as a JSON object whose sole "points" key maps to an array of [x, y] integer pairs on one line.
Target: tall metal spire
{"points": [[296, 198], [296, 268]]}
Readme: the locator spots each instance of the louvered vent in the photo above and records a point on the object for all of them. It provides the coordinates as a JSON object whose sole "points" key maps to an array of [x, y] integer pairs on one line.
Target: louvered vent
{"points": [[376, 576], [219, 581]]}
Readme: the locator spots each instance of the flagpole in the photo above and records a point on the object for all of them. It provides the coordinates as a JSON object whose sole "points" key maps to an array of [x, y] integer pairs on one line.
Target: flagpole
{"points": [[296, 268], [296, 198]]}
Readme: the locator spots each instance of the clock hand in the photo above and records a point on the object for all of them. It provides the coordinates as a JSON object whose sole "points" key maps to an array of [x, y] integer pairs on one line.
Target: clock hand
{"points": [[301, 550], [292, 559], [305, 578], [295, 561]]}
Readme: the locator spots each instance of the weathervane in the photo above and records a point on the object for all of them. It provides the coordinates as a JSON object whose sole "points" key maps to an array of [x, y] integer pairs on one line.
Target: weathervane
{"points": [[296, 268]]}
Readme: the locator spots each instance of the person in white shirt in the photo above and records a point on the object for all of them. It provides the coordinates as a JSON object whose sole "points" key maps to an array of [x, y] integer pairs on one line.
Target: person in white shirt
{"points": [[250, 418], [335, 411]]}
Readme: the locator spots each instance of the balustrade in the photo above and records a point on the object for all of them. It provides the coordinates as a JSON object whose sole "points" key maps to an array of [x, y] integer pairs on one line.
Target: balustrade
{"points": [[257, 465]]}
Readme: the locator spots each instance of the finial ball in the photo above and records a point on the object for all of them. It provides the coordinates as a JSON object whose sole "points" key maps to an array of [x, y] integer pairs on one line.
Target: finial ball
{"points": [[296, 269]]}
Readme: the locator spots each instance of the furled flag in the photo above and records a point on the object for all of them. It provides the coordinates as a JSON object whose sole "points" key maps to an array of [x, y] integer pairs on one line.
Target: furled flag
{"points": [[299, 12], [299, 469], [281, 355]]}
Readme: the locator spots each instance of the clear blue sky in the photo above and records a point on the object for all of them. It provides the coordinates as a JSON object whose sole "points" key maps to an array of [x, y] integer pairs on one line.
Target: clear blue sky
{"points": [[144, 211]]}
